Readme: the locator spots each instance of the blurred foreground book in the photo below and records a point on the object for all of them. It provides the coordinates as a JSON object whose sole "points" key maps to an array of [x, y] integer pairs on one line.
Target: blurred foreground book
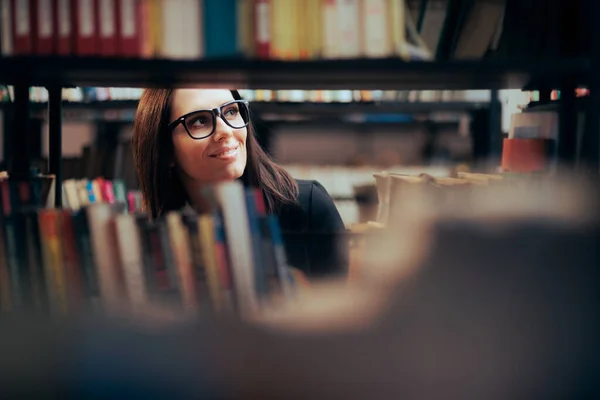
{"points": [[490, 292]]}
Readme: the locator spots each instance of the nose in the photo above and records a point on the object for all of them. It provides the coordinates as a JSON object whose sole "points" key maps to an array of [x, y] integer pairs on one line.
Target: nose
{"points": [[222, 130]]}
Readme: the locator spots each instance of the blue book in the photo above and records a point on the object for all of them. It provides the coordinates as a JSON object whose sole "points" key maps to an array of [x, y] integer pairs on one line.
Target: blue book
{"points": [[220, 28], [260, 276]]}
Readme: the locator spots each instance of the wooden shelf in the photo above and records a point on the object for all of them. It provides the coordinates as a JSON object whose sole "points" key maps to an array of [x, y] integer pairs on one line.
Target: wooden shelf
{"points": [[367, 74]]}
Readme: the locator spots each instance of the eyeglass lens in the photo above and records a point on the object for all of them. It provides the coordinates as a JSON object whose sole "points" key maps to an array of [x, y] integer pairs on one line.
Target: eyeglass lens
{"points": [[201, 124]]}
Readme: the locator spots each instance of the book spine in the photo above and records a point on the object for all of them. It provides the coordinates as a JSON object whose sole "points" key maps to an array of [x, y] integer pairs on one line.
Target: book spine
{"points": [[205, 298], [21, 27], [260, 278], [330, 23], [85, 32], [63, 24], [179, 241], [72, 263], [131, 255], [39, 293], [262, 17], [129, 35], [105, 257], [53, 261], [348, 12], [224, 267], [43, 27], [86, 257], [220, 28], [6, 30], [108, 39]]}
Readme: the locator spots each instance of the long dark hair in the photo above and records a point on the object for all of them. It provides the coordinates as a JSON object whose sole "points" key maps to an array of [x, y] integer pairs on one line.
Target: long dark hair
{"points": [[163, 191]]}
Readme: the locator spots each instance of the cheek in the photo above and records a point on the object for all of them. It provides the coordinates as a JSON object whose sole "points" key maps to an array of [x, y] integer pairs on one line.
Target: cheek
{"points": [[241, 135], [187, 152]]}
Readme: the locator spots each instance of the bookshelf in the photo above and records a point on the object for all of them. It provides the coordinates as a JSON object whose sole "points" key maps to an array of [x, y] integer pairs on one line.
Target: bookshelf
{"points": [[388, 73], [55, 72], [563, 73], [290, 107]]}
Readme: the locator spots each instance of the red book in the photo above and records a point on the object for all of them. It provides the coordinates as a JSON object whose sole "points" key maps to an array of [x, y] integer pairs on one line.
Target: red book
{"points": [[263, 28], [85, 32], [42, 23], [73, 275], [63, 26], [128, 28], [107, 24], [21, 19]]}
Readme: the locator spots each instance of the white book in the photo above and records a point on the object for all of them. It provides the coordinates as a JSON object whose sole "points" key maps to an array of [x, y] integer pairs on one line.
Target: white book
{"points": [[129, 246], [182, 29], [331, 32], [349, 26], [376, 32], [106, 258], [232, 202]]}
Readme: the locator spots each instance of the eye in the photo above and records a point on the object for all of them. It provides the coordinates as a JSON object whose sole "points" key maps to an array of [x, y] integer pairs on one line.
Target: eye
{"points": [[231, 111], [198, 122]]}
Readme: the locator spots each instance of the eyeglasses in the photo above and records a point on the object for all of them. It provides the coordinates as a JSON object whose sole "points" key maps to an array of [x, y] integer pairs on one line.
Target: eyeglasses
{"points": [[201, 124]]}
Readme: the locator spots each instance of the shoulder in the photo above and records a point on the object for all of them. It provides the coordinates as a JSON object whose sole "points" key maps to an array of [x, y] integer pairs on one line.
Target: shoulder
{"points": [[311, 193], [314, 208]]}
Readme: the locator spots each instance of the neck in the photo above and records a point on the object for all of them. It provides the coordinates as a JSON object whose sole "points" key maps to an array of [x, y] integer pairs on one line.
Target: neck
{"points": [[194, 190]]}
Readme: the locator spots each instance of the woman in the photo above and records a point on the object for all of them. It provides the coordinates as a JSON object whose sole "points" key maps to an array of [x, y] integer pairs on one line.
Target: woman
{"points": [[186, 138]]}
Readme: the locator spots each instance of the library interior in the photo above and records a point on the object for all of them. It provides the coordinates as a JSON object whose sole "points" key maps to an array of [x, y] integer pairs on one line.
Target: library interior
{"points": [[350, 199]]}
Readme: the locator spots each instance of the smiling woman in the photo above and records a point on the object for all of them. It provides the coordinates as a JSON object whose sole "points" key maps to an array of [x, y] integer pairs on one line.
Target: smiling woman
{"points": [[187, 138]]}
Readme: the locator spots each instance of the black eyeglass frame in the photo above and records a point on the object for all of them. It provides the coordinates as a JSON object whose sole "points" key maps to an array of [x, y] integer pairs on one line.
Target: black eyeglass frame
{"points": [[215, 112]]}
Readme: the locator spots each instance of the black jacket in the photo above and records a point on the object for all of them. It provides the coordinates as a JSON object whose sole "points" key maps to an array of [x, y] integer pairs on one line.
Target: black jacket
{"points": [[314, 233]]}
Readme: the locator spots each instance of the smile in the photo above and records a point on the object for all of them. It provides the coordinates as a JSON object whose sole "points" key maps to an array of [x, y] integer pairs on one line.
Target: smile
{"points": [[227, 153]]}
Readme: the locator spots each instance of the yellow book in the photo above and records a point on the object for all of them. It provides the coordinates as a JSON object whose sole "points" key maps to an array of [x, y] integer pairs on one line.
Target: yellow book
{"points": [[209, 250], [155, 16], [52, 255], [397, 25], [293, 19], [179, 240], [276, 31], [246, 28]]}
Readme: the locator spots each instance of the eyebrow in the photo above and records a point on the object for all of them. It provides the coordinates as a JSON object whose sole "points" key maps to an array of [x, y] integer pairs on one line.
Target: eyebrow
{"points": [[210, 108]]}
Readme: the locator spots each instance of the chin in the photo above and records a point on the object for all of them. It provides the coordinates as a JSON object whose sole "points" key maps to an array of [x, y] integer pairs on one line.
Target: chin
{"points": [[234, 171]]}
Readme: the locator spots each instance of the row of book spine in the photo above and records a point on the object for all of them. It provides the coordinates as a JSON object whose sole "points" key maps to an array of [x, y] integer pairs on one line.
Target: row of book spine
{"points": [[79, 193], [196, 29], [103, 259], [94, 94]]}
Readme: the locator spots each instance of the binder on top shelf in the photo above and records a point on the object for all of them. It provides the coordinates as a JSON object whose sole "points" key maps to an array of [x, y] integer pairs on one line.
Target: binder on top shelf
{"points": [[85, 27], [108, 39], [21, 27], [128, 27], [262, 27], [42, 23], [63, 26], [6, 38]]}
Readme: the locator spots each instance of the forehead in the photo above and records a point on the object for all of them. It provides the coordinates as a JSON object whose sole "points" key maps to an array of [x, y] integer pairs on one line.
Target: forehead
{"points": [[188, 100]]}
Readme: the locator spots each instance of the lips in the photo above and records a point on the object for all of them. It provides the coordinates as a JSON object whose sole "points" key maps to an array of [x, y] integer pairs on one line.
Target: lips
{"points": [[225, 151]]}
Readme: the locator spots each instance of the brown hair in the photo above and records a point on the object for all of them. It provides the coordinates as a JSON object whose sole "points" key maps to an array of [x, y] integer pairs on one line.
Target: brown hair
{"points": [[153, 151]]}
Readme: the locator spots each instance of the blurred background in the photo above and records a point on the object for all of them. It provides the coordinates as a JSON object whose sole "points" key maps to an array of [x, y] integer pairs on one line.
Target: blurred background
{"points": [[459, 140], [338, 137]]}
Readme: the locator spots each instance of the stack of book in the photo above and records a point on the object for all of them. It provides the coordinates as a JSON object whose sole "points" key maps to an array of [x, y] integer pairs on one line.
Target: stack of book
{"points": [[294, 29], [79, 193], [99, 258]]}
